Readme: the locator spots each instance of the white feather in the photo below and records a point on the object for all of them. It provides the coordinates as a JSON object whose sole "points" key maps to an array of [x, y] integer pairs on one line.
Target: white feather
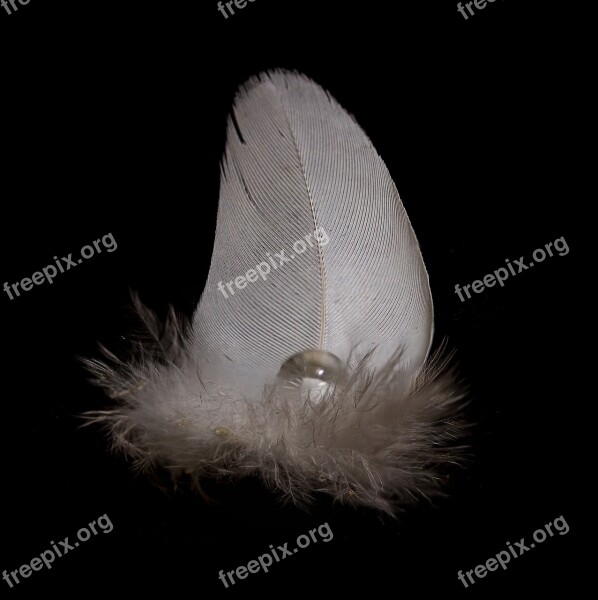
{"points": [[208, 402], [295, 162]]}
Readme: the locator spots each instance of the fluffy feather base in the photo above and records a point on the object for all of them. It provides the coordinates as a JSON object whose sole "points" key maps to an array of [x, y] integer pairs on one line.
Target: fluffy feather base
{"points": [[377, 438]]}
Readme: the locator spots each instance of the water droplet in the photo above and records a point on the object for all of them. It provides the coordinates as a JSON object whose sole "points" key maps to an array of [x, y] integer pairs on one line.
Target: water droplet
{"points": [[313, 371]]}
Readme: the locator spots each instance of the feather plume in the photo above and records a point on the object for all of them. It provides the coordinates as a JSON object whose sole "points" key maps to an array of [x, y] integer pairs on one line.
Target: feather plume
{"points": [[306, 361]]}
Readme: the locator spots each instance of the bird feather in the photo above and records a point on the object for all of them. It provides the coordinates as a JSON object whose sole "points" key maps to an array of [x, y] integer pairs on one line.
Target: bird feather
{"points": [[305, 196]]}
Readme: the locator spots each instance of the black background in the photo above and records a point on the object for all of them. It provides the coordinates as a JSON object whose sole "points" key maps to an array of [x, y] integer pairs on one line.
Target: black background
{"points": [[113, 120]]}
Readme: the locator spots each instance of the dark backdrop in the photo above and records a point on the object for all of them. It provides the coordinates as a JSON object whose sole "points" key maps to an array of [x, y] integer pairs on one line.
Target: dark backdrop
{"points": [[113, 120]]}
